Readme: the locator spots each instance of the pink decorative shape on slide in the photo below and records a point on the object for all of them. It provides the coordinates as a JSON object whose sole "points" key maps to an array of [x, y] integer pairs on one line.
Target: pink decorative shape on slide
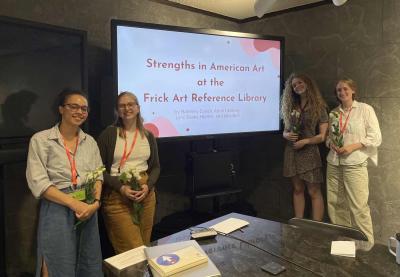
{"points": [[248, 46], [163, 127], [254, 46], [264, 45], [152, 128], [275, 57]]}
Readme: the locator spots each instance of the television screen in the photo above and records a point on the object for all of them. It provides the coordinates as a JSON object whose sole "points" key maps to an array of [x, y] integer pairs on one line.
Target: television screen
{"points": [[193, 82], [37, 61]]}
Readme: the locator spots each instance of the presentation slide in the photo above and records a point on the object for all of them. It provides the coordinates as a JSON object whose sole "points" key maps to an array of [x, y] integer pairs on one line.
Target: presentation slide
{"points": [[192, 84]]}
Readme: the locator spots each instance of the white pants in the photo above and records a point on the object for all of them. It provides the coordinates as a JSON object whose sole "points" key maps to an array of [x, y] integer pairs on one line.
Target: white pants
{"points": [[347, 191]]}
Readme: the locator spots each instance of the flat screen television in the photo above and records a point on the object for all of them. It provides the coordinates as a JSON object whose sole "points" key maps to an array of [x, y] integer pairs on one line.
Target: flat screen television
{"points": [[199, 82], [37, 61]]}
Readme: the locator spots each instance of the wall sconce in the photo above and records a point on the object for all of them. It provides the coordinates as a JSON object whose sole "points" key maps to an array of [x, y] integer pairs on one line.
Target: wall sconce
{"points": [[261, 7], [339, 2]]}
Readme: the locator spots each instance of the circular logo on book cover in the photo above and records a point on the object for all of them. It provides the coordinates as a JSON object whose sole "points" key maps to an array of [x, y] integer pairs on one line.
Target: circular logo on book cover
{"points": [[168, 259]]}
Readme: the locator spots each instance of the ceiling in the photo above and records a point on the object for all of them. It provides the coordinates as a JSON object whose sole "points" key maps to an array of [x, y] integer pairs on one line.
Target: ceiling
{"points": [[240, 10]]}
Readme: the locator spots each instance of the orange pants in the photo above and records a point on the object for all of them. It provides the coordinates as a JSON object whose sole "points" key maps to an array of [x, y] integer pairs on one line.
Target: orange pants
{"points": [[122, 232]]}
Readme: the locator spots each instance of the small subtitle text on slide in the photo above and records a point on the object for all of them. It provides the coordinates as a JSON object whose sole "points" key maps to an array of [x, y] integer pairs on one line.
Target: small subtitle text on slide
{"points": [[206, 114], [186, 111], [225, 110], [199, 114], [222, 113], [191, 116], [226, 113], [186, 114]]}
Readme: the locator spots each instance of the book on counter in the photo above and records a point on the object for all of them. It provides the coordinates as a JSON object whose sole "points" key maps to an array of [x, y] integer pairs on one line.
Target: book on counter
{"points": [[185, 258], [343, 248], [130, 263], [229, 225]]}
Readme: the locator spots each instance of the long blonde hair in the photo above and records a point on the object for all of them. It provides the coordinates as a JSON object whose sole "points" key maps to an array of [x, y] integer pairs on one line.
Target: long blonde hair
{"points": [[290, 100]]}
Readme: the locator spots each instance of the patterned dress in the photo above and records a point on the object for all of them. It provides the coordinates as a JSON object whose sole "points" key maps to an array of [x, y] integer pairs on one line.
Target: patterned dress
{"points": [[305, 162]]}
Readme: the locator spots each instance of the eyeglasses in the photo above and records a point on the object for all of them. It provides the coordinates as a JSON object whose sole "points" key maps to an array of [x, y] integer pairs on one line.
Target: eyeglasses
{"points": [[75, 107], [128, 105]]}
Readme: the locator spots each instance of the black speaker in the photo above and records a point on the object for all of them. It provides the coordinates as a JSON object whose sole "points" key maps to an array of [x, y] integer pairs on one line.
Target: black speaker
{"points": [[212, 170]]}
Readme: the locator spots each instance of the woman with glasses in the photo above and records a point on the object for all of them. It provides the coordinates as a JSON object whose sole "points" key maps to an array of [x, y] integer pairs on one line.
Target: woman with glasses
{"points": [[58, 161], [127, 146]]}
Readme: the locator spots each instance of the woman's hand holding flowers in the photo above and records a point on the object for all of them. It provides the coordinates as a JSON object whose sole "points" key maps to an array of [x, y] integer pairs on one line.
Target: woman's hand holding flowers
{"points": [[333, 147], [348, 149], [300, 144], [291, 136], [128, 192], [134, 195], [136, 189], [143, 193], [86, 208], [83, 210], [144, 187]]}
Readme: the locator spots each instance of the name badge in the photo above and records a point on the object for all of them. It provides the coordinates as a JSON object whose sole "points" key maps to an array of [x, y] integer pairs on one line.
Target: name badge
{"points": [[79, 194]]}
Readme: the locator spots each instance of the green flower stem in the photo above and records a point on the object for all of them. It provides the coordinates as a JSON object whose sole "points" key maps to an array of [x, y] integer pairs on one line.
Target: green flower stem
{"points": [[130, 178], [90, 189]]}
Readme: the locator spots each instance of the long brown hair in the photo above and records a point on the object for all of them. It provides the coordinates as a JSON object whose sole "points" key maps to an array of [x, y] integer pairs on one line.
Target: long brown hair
{"points": [[291, 100], [139, 120]]}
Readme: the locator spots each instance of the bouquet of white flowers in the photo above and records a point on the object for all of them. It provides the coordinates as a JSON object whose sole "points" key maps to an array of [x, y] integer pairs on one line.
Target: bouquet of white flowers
{"points": [[90, 189], [134, 179], [295, 122]]}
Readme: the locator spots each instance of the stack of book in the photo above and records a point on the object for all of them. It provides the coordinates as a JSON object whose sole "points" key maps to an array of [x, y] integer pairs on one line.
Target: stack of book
{"points": [[184, 258], [343, 248], [127, 264]]}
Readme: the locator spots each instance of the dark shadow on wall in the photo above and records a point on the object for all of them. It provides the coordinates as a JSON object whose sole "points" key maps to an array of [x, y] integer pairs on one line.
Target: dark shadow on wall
{"points": [[20, 207], [15, 111]]}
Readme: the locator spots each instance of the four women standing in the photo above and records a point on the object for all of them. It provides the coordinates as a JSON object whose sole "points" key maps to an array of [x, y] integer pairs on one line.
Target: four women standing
{"points": [[59, 158]]}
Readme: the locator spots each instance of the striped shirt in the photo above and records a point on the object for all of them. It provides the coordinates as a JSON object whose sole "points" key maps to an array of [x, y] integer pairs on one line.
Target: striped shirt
{"points": [[48, 163]]}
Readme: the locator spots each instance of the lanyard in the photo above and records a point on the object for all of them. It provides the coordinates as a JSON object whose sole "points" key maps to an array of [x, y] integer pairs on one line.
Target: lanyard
{"points": [[125, 155], [72, 163], [343, 128]]}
